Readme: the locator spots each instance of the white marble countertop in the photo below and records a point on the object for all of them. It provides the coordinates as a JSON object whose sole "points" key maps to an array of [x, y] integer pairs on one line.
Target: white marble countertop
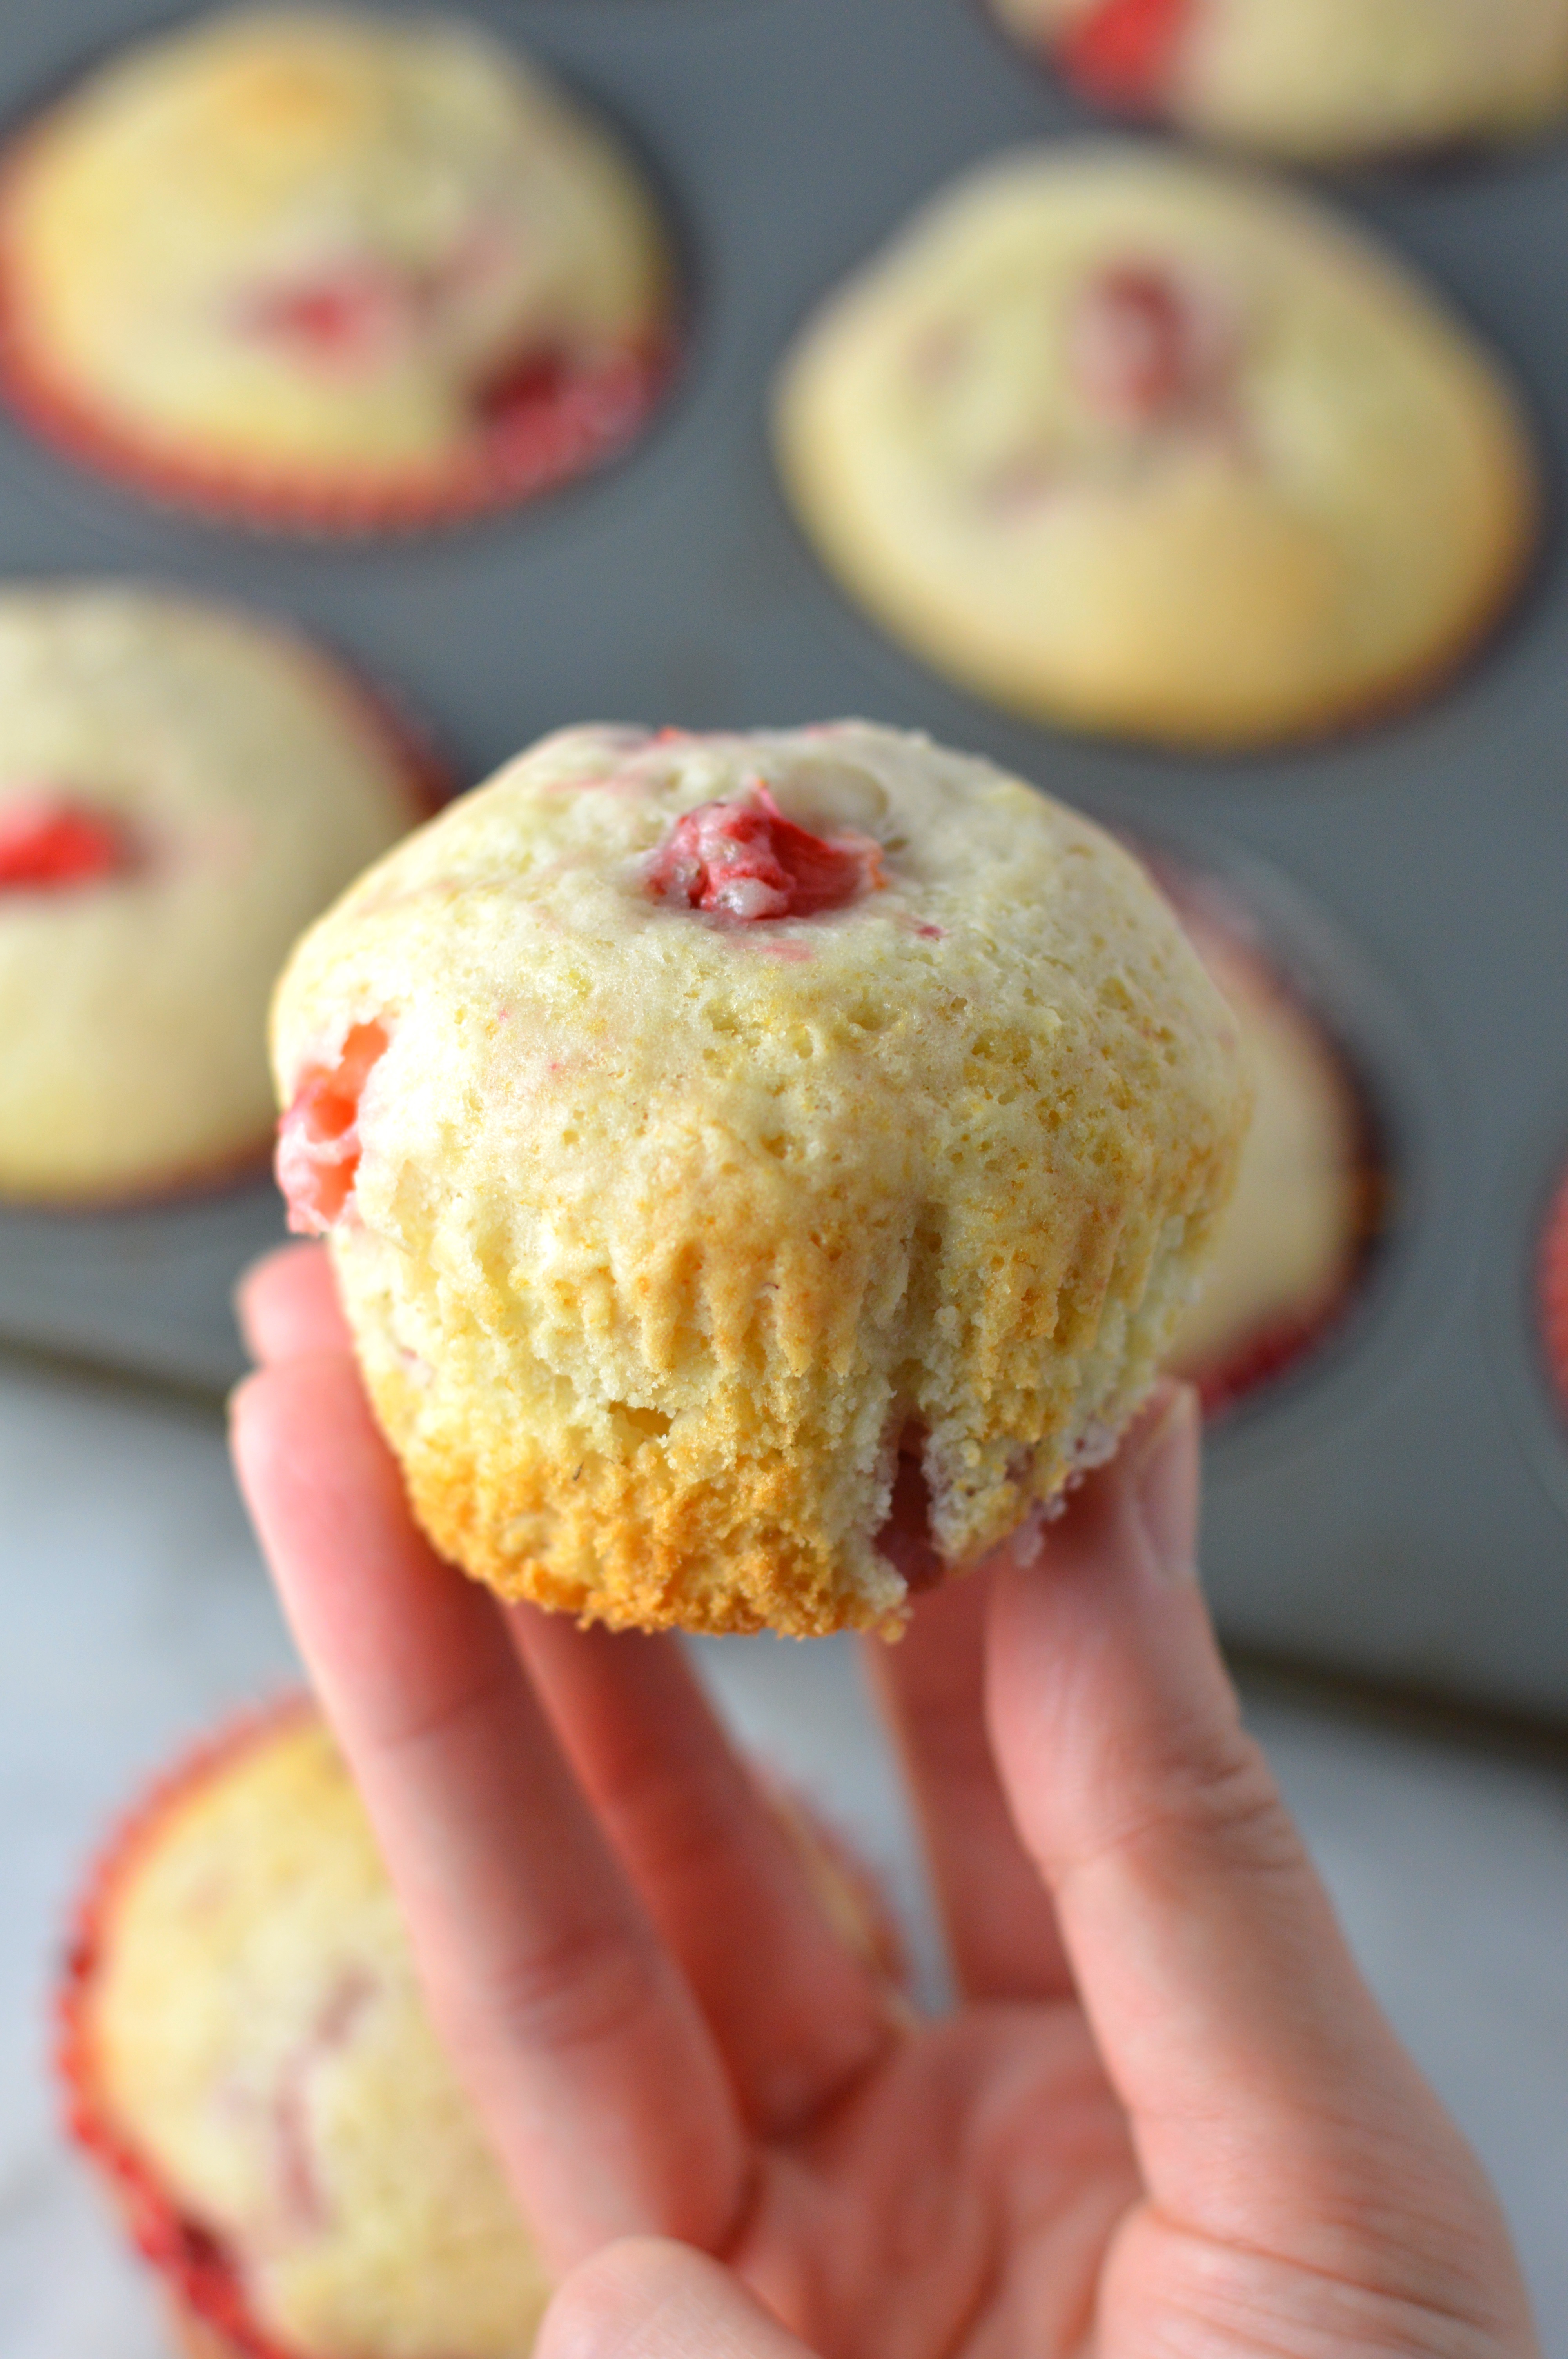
{"points": [[133, 1613]]}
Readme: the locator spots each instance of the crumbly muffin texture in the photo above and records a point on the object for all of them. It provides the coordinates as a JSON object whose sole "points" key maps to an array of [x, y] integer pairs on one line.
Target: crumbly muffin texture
{"points": [[182, 788], [661, 1216], [259, 2037], [1316, 79], [310, 240], [1147, 446]]}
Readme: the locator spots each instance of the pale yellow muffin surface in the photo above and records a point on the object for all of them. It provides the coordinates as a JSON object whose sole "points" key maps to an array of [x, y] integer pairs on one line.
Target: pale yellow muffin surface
{"points": [[310, 240], [1141, 445], [1294, 1231], [258, 2038], [236, 779], [1323, 79], [659, 1225]]}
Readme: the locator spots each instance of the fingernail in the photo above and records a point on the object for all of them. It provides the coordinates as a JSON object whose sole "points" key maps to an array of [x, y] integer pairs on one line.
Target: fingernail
{"points": [[1166, 1485]]}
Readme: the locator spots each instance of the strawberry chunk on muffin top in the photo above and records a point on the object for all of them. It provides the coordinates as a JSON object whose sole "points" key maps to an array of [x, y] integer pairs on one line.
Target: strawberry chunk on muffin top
{"points": [[743, 858], [1147, 348], [51, 843], [1124, 53]]}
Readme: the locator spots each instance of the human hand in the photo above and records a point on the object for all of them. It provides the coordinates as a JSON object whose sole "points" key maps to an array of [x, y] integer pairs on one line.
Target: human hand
{"points": [[1167, 2118]]}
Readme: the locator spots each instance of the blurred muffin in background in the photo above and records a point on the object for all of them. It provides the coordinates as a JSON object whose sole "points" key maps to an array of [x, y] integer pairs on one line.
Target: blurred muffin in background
{"points": [[1320, 81], [249, 2059], [182, 788], [311, 268], [1140, 445], [1310, 1197], [1552, 1276], [248, 2062]]}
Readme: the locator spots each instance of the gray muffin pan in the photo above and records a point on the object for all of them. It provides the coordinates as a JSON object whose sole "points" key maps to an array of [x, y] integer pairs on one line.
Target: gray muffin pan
{"points": [[1398, 1507]]}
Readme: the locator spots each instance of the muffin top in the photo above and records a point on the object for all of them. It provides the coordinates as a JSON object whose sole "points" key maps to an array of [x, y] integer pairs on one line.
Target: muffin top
{"points": [[182, 788], [255, 2035], [1133, 441], [321, 243], [690, 1114], [1315, 77]]}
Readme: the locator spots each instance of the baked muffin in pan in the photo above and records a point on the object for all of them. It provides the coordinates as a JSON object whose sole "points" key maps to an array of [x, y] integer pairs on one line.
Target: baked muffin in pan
{"points": [[309, 267], [1320, 81], [182, 787], [1313, 1188], [1552, 1293], [1144, 446]]}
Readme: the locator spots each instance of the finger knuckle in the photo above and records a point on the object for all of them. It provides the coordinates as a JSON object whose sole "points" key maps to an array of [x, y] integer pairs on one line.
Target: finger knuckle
{"points": [[587, 1987], [1219, 1801], [1225, 1798]]}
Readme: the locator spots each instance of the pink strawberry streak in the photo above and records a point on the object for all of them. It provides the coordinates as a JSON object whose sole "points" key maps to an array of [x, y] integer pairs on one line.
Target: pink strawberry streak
{"points": [[317, 1155], [1144, 349], [742, 859], [348, 319], [352, 312], [49, 843], [302, 2197], [355, 317]]}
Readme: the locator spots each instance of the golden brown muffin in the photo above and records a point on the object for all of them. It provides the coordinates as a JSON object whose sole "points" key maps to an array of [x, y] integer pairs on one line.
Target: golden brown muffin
{"points": [[696, 1119], [1146, 446], [182, 788], [329, 268]]}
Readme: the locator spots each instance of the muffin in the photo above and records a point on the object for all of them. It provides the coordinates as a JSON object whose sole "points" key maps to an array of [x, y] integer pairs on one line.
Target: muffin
{"points": [[1552, 1275], [1293, 1244], [248, 2061], [1325, 81], [696, 1121], [182, 788], [1138, 445], [249, 2058], [310, 267]]}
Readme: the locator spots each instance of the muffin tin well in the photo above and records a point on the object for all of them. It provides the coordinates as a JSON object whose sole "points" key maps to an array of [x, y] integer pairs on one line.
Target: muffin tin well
{"points": [[1383, 1510]]}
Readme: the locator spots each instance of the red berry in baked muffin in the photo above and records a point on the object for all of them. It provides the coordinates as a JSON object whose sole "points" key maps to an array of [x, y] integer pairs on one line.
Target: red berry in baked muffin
{"points": [[52, 844], [1123, 52], [743, 859]]}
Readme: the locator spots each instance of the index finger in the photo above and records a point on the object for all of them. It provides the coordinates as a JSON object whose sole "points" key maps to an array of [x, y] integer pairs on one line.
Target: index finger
{"points": [[286, 1306], [581, 2045]]}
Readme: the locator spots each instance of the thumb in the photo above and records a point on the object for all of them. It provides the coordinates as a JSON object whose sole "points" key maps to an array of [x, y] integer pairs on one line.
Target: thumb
{"points": [[647, 2298], [1269, 2100]]}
